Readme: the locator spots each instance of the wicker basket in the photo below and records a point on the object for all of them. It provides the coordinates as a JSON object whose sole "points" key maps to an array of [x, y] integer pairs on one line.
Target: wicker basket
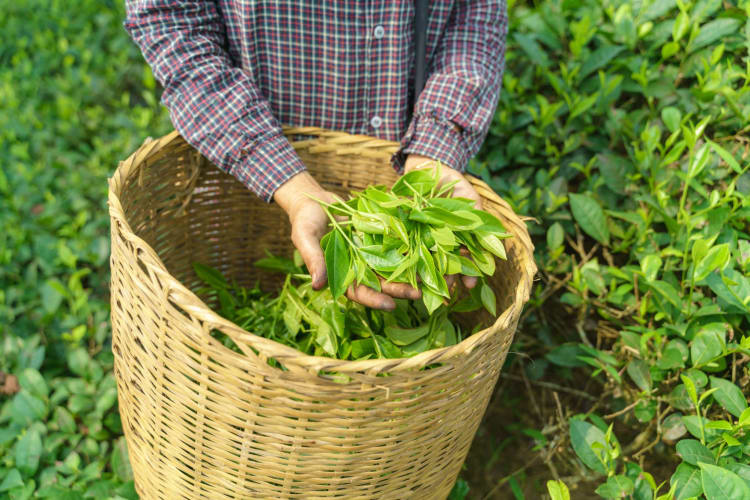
{"points": [[202, 421]]}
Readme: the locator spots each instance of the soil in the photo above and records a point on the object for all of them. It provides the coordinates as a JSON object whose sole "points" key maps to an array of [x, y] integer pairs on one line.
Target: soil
{"points": [[501, 451]]}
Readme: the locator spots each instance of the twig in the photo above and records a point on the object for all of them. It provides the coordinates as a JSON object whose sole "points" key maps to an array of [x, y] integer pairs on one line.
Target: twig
{"points": [[639, 440], [624, 410], [550, 385], [559, 408], [508, 477], [527, 383], [582, 334], [650, 445]]}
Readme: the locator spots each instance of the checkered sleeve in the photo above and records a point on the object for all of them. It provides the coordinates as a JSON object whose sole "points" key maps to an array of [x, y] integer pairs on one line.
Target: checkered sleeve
{"points": [[214, 104], [462, 88]]}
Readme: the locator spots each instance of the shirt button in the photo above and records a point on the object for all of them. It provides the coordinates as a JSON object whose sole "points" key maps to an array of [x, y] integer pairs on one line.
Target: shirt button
{"points": [[376, 121], [378, 32]]}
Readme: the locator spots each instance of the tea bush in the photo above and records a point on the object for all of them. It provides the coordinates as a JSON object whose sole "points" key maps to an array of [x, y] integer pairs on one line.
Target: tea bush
{"points": [[75, 97], [622, 129]]}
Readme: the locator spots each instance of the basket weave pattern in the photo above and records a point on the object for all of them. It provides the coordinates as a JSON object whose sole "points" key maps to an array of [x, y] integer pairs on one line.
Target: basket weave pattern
{"points": [[202, 421]]}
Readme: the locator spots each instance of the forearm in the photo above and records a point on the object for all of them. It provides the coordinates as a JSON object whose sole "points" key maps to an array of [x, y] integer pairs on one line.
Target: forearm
{"points": [[454, 111], [214, 105]]}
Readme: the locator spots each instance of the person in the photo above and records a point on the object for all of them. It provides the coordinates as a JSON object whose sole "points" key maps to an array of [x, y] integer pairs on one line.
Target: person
{"points": [[233, 71]]}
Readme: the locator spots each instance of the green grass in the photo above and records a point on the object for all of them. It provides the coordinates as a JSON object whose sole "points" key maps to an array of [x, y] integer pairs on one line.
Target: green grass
{"points": [[622, 129]]}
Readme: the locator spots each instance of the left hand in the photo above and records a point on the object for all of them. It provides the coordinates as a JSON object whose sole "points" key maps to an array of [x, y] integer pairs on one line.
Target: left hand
{"points": [[463, 189]]}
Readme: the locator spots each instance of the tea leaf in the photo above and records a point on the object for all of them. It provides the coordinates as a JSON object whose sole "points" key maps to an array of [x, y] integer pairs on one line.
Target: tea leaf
{"points": [[600, 58], [120, 462], [583, 436], [686, 481], [12, 480], [337, 264], [716, 258], [639, 372], [210, 275], [590, 216], [729, 396], [619, 486], [714, 30], [28, 452], [671, 117], [722, 484], [555, 236], [488, 298], [406, 336], [693, 451], [558, 490]]}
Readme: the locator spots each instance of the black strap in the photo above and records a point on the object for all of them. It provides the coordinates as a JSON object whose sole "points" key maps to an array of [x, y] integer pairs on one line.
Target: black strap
{"points": [[420, 43]]}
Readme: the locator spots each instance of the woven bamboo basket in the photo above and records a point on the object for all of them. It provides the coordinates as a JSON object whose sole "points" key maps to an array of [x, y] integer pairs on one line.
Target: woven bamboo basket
{"points": [[202, 421]]}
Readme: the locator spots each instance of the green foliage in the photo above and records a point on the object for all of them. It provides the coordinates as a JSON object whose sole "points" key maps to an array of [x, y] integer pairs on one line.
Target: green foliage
{"points": [[622, 128], [320, 324], [75, 98], [411, 233]]}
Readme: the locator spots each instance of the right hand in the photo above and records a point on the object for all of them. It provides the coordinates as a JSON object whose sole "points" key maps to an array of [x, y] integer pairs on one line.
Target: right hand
{"points": [[309, 224]]}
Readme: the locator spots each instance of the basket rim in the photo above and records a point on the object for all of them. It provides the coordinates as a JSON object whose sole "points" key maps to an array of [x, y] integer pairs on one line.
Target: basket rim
{"points": [[291, 358]]}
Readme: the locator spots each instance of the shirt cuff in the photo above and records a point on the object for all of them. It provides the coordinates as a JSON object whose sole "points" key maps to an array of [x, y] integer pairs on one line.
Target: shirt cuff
{"points": [[268, 165], [434, 138]]}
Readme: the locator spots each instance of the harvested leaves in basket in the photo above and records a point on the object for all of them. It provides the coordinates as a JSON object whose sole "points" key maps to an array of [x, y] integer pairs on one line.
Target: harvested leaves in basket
{"points": [[316, 323], [411, 233]]}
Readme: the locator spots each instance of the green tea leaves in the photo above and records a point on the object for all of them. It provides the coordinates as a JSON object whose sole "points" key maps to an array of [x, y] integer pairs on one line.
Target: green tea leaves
{"points": [[686, 481], [492, 243], [410, 234], [431, 300], [588, 213], [671, 117], [488, 298], [406, 336], [715, 259], [28, 452], [693, 452], [378, 260], [337, 263], [585, 437], [315, 322], [722, 484], [211, 276], [729, 396]]}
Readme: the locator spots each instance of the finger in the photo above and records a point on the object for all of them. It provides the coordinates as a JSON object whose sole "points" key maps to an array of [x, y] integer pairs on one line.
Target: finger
{"points": [[370, 298], [469, 281], [400, 290], [450, 280], [309, 248]]}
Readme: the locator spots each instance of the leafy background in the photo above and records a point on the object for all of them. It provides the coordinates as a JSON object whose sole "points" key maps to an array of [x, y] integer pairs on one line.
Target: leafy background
{"points": [[622, 131]]}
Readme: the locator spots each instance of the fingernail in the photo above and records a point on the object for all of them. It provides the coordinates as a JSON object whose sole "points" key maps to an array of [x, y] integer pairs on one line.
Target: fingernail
{"points": [[388, 305], [415, 294], [316, 282]]}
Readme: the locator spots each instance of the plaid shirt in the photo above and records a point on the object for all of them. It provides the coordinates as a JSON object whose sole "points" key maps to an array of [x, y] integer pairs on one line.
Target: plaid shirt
{"points": [[234, 70]]}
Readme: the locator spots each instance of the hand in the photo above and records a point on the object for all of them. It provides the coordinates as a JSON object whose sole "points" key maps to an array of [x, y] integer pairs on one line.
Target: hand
{"points": [[309, 224], [463, 189]]}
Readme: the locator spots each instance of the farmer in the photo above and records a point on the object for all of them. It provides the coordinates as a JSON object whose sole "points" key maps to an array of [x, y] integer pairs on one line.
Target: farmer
{"points": [[234, 71]]}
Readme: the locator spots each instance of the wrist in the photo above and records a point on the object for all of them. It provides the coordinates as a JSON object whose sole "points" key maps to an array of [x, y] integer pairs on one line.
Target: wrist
{"points": [[416, 161], [294, 191]]}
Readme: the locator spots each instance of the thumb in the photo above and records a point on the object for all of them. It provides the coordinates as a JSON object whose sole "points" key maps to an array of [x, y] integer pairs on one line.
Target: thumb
{"points": [[464, 189], [309, 248]]}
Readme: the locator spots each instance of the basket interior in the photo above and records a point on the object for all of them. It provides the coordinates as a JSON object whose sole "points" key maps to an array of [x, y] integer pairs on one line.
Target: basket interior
{"points": [[189, 211]]}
